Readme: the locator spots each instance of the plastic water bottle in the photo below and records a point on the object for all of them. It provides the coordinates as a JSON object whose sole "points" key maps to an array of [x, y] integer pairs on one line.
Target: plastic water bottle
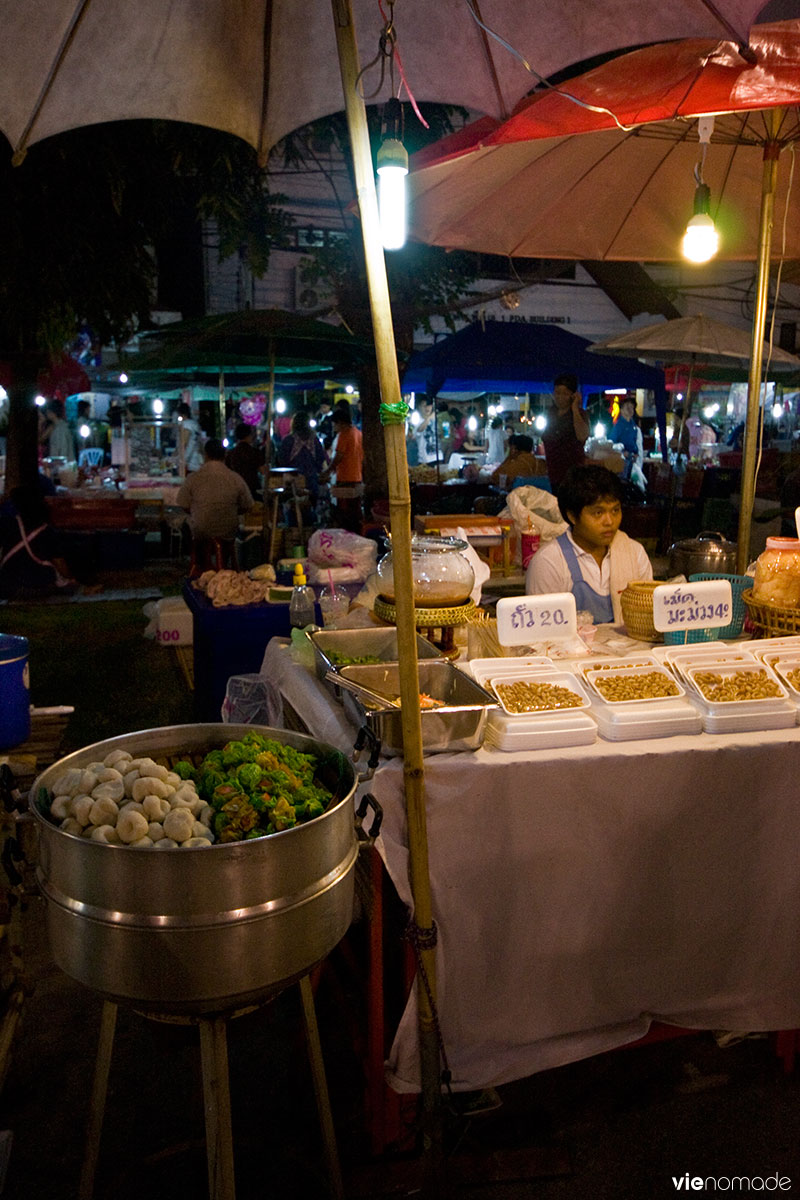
{"points": [[301, 605]]}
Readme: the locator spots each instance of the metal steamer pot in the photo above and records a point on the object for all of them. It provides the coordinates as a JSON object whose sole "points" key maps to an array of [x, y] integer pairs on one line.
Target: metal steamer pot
{"points": [[199, 929], [708, 552]]}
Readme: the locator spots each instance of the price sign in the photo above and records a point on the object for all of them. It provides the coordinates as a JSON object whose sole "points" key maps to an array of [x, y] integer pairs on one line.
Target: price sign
{"points": [[522, 620], [693, 605]]}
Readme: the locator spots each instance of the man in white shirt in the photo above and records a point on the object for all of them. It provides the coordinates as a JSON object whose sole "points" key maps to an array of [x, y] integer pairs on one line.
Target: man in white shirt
{"points": [[594, 559]]}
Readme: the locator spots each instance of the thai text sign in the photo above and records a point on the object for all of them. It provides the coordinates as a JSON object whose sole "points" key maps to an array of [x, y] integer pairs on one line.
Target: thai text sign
{"points": [[693, 605], [522, 620]]}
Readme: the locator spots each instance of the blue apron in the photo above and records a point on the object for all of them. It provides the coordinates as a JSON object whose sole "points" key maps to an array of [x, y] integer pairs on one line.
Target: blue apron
{"points": [[586, 597]]}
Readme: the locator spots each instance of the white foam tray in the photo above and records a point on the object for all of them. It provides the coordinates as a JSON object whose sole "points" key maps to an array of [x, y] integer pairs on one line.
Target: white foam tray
{"points": [[542, 731], [648, 719]]}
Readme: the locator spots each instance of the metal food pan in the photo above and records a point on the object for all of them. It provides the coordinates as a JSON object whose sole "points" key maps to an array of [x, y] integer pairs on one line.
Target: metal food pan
{"points": [[358, 643], [459, 725]]}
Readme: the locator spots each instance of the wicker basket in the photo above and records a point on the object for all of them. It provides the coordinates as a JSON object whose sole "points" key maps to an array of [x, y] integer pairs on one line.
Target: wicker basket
{"points": [[771, 620], [637, 610]]}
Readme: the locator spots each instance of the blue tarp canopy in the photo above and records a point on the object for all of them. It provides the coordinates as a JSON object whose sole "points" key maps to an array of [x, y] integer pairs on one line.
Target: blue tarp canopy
{"points": [[515, 356]]}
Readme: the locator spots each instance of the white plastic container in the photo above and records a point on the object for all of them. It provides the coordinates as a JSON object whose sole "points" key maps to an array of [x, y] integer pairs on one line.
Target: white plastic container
{"points": [[174, 626]]}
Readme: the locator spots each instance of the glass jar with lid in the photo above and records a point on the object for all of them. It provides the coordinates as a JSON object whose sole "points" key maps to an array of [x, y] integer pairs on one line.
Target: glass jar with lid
{"points": [[443, 577], [777, 578]]}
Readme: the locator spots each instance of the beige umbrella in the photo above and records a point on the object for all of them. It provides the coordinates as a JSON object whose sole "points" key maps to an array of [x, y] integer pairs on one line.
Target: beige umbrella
{"points": [[260, 68]]}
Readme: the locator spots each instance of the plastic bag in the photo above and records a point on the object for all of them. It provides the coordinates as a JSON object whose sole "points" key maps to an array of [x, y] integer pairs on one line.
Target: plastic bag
{"points": [[338, 548], [535, 511], [251, 700]]}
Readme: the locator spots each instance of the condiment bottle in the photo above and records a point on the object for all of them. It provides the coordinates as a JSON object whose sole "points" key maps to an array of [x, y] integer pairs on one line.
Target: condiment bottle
{"points": [[301, 605]]}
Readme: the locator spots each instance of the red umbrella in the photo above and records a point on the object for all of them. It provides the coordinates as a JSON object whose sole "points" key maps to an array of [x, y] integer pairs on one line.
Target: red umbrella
{"points": [[529, 186]]}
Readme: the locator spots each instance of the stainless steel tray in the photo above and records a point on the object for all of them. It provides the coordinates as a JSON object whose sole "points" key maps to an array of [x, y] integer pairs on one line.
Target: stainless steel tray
{"points": [[355, 643], [459, 725]]}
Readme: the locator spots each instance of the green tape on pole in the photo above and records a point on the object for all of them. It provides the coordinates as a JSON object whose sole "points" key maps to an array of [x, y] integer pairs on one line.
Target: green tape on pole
{"points": [[393, 414]]}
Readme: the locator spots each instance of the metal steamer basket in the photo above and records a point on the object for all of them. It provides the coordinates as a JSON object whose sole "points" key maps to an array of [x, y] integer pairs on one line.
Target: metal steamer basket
{"points": [[199, 930]]}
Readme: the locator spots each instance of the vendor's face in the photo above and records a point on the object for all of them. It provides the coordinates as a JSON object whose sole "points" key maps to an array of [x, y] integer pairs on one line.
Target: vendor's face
{"points": [[597, 523], [563, 397], [627, 409]]}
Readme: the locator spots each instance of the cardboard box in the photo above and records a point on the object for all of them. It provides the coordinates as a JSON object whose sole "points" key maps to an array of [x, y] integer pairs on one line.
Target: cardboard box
{"points": [[174, 624]]}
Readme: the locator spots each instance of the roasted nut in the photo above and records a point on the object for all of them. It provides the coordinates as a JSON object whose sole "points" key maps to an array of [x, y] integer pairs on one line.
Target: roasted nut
{"points": [[644, 685], [520, 697], [739, 685]]}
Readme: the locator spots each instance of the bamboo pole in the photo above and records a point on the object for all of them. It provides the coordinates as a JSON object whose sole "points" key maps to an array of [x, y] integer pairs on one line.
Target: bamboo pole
{"points": [[768, 182], [266, 523], [400, 514]]}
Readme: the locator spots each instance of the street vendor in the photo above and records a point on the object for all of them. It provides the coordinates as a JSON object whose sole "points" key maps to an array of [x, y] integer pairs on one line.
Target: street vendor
{"points": [[567, 430], [594, 559]]}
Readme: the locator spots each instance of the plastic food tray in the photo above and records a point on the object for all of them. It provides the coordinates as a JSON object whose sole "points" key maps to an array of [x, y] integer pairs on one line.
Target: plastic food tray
{"points": [[615, 664], [558, 679], [543, 731], [727, 670], [628, 672], [484, 669], [632, 722]]}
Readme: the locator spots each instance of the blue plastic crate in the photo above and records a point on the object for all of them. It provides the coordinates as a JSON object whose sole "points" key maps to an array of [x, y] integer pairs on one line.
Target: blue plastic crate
{"points": [[739, 584]]}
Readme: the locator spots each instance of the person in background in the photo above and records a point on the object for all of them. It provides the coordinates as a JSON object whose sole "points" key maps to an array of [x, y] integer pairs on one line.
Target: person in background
{"points": [[521, 462], [567, 430], [425, 432], [303, 450], [55, 434], [214, 497], [191, 436], [594, 559], [495, 441], [347, 465], [626, 431], [245, 459], [324, 420]]}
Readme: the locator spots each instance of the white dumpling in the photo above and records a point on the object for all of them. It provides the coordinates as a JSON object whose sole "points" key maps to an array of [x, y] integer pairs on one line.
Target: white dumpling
{"points": [[131, 825], [103, 812], [68, 784], [82, 808], [149, 785], [155, 831], [206, 814], [141, 843], [94, 766], [173, 779], [114, 789], [118, 759], [195, 841], [201, 830], [178, 824], [166, 844], [108, 775], [104, 833], [129, 779], [89, 780], [153, 769], [136, 763], [133, 805], [61, 808], [155, 808], [70, 825]]}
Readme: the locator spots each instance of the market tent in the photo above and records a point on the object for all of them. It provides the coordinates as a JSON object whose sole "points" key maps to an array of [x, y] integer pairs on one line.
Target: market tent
{"points": [[513, 356]]}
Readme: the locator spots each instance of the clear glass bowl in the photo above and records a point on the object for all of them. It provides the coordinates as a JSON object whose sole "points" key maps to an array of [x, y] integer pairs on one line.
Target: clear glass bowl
{"points": [[443, 577]]}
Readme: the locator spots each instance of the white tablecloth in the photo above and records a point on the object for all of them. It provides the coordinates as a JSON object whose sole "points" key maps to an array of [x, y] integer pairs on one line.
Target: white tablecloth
{"points": [[581, 893]]}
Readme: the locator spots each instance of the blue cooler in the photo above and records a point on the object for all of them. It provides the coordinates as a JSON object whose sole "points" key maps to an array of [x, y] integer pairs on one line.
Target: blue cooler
{"points": [[15, 701]]}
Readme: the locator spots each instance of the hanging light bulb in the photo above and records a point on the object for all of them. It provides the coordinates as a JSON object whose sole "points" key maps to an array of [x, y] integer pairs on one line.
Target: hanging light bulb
{"points": [[701, 240], [84, 431], [392, 167], [599, 430], [540, 422]]}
